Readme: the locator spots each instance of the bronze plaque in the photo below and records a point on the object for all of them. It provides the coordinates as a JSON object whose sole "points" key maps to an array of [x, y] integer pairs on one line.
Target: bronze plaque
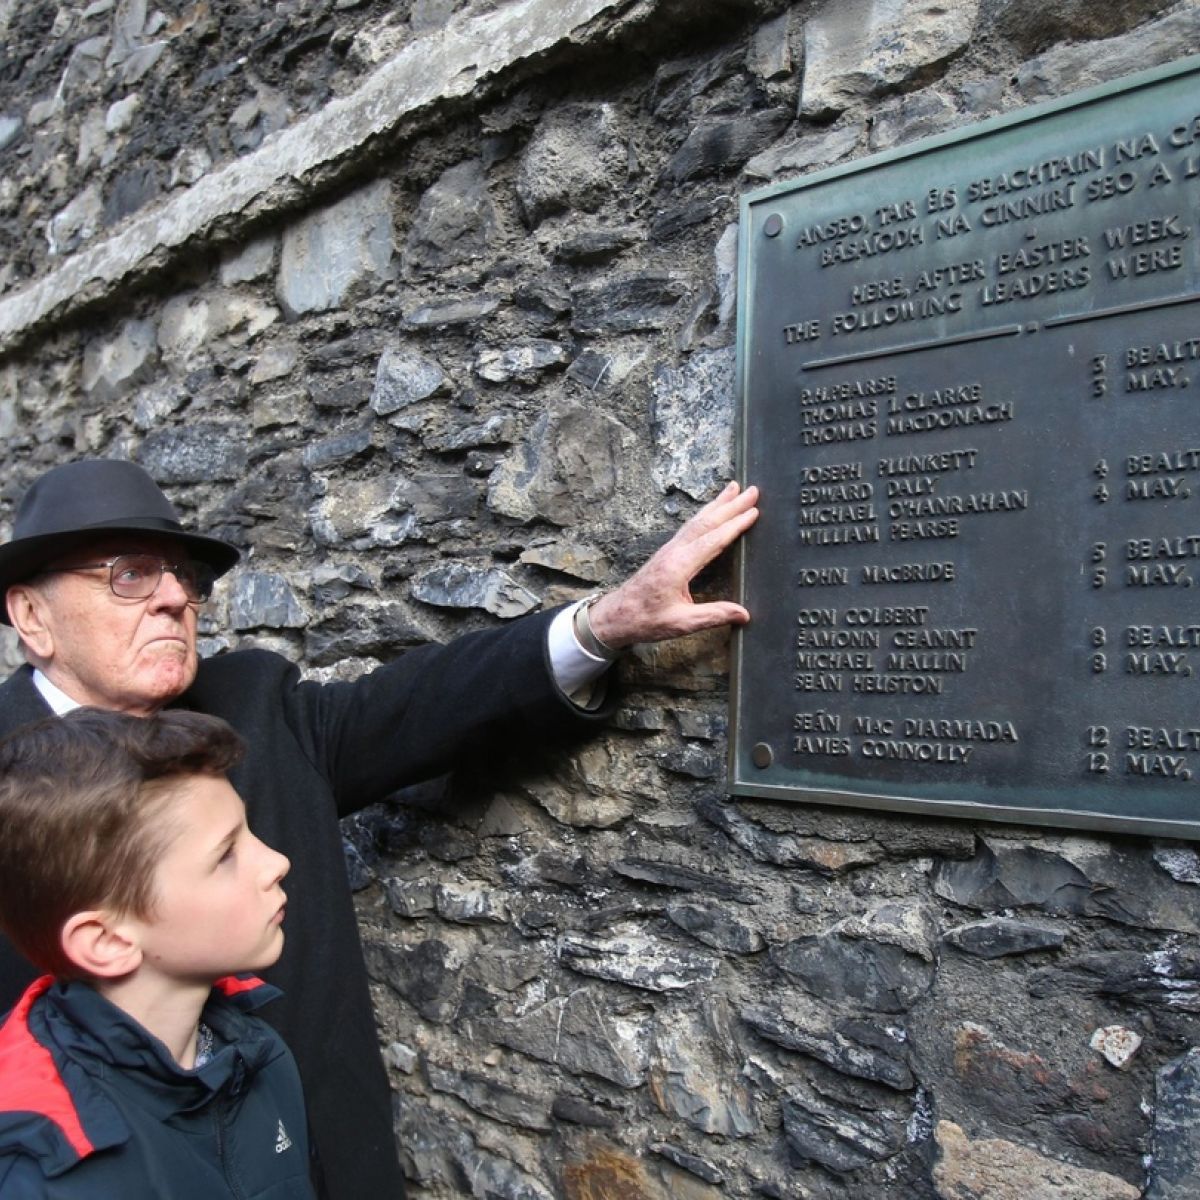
{"points": [[969, 378]]}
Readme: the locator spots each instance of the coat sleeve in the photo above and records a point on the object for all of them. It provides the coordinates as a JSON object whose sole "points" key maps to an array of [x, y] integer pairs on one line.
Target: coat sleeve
{"points": [[428, 711]]}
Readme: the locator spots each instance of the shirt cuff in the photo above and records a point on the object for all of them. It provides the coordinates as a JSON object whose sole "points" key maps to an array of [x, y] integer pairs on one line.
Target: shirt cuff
{"points": [[578, 674]]}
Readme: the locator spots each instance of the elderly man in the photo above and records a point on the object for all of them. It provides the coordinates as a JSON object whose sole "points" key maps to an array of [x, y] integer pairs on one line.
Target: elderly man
{"points": [[103, 584]]}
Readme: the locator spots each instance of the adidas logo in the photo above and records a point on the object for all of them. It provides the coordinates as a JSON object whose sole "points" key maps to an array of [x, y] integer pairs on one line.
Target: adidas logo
{"points": [[282, 1141]]}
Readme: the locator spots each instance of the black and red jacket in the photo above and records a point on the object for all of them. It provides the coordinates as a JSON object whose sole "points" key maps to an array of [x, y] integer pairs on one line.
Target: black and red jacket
{"points": [[93, 1106]]}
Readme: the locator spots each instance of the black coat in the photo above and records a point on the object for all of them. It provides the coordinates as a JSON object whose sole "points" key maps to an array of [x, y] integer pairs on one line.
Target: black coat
{"points": [[317, 753]]}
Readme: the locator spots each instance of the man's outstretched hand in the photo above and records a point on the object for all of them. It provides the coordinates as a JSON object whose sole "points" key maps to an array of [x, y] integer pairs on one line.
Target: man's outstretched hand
{"points": [[655, 603]]}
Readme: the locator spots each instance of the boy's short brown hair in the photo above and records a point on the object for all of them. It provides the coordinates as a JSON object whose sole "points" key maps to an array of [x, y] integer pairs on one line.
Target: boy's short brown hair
{"points": [[82, 822]]}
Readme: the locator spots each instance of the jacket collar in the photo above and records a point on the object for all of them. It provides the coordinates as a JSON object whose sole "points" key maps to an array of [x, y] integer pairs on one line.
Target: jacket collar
{"points": [[40, 1113], [61, 1040]]}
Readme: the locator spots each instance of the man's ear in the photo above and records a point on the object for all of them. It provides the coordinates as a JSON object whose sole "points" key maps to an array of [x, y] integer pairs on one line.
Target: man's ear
{"points": [[27, 610], [100, 945]]}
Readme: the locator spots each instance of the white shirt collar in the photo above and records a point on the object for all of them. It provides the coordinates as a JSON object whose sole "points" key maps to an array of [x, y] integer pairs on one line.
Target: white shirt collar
{"points": [[54, 696]]}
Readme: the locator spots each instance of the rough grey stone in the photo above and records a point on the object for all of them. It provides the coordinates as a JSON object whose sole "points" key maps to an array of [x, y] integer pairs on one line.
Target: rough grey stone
{"points": [[446, 434], [490, 1098], [1001, 936], [255, 260], [454, 223], [264, 600], [590, 369], [692, 1163], [567, 468], [1175, 1154], [341, 448], [403, 378], [442, 314], [911, 117], [692, 762], [808, 152], [568, 557], [600, 794], [719, 145], [1032, 26], [78, 222], [643, 300], [692, 418], [593, 246], [786, 850], [677, 877], [679, 218], [1069, 876], [634, 958], [10, 129], [909, 925], [856, 49], [1180, 862], [112, 368], [191, 322], [324, 255], [1072, 67], [868, 975], [193, 454], [994, 1167], [189, 166], [524, 363], [580, 1032], [439, 1152], [706, 726], [426, 974], [132, 190], [854, 1048], [275, 362], [575, 159], [577, 1112], [156, 403], [470, 904], [365, 511], [715, 927], [769, 55], [696, 1076], [457, 585], [1165, 979], [410, 898], [839, 1138]]}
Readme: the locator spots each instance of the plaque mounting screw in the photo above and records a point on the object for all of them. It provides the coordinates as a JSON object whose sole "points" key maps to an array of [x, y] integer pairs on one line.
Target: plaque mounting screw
{"points": [[762, 755], [773, 225]]}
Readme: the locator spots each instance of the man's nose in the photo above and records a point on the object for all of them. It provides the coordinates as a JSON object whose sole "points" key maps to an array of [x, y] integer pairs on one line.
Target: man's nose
{"points": [[169, 594]]}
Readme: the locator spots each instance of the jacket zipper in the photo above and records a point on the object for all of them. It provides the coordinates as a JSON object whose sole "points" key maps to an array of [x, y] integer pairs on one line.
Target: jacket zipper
{"points": [[221, 1110]]}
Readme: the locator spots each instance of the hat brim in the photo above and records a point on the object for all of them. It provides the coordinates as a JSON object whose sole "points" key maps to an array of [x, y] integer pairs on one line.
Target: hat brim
{"points": [[22, 559]]}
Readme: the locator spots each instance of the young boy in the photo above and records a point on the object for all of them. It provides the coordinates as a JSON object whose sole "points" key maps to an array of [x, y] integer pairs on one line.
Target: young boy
{"points": [[128, 873]]}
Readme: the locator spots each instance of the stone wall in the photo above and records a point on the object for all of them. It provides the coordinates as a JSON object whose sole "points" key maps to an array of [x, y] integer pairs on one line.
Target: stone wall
{"points": [[429, 306]]}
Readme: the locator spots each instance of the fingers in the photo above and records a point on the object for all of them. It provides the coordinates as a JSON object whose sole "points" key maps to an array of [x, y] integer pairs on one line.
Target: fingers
{"points": [[716, 613], [703, 547], [731, 503]]}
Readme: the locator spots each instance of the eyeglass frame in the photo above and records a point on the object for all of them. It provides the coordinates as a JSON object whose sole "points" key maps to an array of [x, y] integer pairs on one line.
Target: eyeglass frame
{"points": [[188, 567]]}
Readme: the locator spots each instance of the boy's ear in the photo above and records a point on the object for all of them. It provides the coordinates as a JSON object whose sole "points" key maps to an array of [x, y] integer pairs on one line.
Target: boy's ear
{"points": [[100, 945]]}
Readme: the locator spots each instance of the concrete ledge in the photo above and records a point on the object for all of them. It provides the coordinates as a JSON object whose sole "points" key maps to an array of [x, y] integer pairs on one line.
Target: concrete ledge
{"points": [[450, 64]]}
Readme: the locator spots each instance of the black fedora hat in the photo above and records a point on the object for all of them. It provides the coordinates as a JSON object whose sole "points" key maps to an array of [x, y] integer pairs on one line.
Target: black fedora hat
{"points": [[75, 503]]}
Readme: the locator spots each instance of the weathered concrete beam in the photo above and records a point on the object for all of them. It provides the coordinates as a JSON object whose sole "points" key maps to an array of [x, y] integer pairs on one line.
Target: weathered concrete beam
{"points": [[453, 63]]}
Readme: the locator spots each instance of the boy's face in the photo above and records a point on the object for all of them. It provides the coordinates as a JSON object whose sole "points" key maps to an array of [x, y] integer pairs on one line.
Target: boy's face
{"points": [[218, 906]]}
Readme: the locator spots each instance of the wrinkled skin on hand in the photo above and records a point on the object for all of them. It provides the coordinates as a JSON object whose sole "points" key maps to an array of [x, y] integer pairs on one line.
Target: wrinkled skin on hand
{"points": [[655, 603]]}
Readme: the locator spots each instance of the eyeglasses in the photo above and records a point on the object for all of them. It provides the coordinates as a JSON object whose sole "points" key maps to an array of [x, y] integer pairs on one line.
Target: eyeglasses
{"points": [[137, 576]]}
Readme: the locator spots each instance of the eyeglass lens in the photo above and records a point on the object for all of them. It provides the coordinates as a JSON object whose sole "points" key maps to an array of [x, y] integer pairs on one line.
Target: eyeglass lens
{"points": [[136, 576]]}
